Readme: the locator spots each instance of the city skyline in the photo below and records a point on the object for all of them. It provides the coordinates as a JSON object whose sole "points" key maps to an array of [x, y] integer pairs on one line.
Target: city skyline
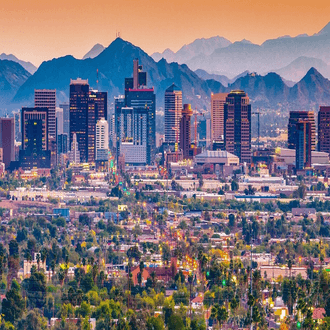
{"points": [[34, 31]]}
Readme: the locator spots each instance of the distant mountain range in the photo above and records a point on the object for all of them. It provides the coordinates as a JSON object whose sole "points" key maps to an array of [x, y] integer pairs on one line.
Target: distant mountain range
{"points": [[198, 47], [114, 64], [12, 76], [95, 51], [292, 57], [28, 66]]}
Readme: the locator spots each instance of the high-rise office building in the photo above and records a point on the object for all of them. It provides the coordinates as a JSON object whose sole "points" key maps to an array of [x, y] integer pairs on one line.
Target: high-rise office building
{"points": [[324, 129], [136, 122], [62, 144], [102, 139], [46, 98], [66, 118], [217, 116], [35, 151], [18, 133], [173, 109], [303, 144], [185, 130], [295, 116], [237, 125], [7, 140], [59, 121], [74, 153], [86, 107]]}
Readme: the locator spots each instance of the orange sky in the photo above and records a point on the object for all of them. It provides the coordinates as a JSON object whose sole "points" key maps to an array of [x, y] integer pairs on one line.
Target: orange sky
{"points": [[38, 30]]}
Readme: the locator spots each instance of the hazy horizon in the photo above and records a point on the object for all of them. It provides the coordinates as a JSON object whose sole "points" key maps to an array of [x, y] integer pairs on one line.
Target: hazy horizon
{"points": [[37, 31]]}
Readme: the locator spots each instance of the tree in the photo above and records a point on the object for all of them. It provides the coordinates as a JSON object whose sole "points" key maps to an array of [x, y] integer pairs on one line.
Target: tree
{"points": [[220, 314], [33, 321], [134, 253], [35, 288], [13, 305], [234, 185], [155, 323], [175, 323]]}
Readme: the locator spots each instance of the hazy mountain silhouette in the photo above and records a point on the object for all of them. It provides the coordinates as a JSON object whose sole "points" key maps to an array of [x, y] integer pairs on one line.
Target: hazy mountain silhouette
{"points": [[197, 47], [297, 69], [28, 66], [114, 64], [95, 51], [273, 54], [12, 76]]}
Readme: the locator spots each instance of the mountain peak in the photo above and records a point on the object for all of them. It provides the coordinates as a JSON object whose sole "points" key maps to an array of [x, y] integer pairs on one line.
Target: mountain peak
{"points": [[95, 51], [325, 30]]}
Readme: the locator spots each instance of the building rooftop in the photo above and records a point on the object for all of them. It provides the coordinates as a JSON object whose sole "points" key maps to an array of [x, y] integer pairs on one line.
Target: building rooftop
{"points": [[173, 88], [215, 154]]}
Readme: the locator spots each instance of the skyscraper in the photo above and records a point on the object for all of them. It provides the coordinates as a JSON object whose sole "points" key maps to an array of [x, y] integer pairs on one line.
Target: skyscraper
{"points": [[46, 98], [7, 140], [35, 151], [237, 125], [18, 133], [185, 130], [59, 121], [74, 153], [102, 139], [295, 116], [86, 107], [136, 122], [66, 117], [62, 144], [217, 116], [173, 110], [303, 144], [324, 129]]}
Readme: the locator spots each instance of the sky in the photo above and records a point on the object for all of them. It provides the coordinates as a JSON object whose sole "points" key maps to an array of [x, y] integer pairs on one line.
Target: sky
{"points": [[37, 30]]}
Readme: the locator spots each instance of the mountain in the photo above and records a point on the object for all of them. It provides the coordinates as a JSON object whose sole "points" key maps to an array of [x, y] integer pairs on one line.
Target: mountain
{"points": [[273, 54], [197, 47], [297, 69], [28, 66], [95, 51], [312, 90], [114, 64], [208, 76], [12, 76], [264, 91]]}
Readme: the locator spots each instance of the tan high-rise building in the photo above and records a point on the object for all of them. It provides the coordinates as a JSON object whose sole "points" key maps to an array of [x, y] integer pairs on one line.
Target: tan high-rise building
{"points": [[217, 116], [173, 112]]}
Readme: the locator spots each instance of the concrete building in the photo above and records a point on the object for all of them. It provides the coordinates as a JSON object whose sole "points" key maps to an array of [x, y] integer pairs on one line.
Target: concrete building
{"points": [[66, 117], [74, 154], [295, 116], [324, 129], [102, 139], [237, 125], [185, 130], [59, 120], [173, 110], [7, 140], [217, 116], [35, 151], [303, 144], [46, 98]]}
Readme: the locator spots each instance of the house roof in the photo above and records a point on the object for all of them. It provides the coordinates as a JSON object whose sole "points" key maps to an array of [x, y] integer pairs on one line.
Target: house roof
{"points": [[318, 313]]}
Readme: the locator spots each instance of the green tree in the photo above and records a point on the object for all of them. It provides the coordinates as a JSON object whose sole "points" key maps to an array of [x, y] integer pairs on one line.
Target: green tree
{"points": [[176, 323], [155, 323], [13, 305]]}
